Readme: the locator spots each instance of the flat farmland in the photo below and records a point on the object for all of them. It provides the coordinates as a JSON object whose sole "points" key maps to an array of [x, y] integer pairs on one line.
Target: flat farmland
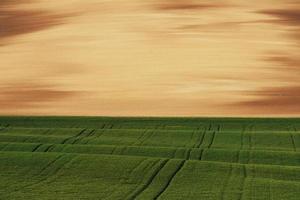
{"points": [[149, 158]]}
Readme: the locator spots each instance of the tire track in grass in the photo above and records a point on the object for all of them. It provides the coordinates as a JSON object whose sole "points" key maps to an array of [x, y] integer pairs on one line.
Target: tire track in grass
{"points": [[170, 180], [102, 126], [113, 150], [188, 154], [131, 172], [197, 131], [174, 153], [292, 137], [242, 143], [249, 174], [242, 189], [49, 165], [238, 154], [124, 148], [139, 139], [27, 138], [252, 183], [295, 129], [202, 138], [4, 146], [73, 137], [36, 148], [149, 181], [132, 194], [226, 184], [243, 157], [137, 166], [293, 142], [50, 179], [99, 135], [210, 127], [213, 136], [3, 128], [201, 154], [212, 139], [242, 136], [143, 137], [46, 132], [191, 141], [270, 190], [250, 138], [81, 136], [49, 148], [111, 126], [147, 137], [91, 134], [119, 150], [251, 129]]}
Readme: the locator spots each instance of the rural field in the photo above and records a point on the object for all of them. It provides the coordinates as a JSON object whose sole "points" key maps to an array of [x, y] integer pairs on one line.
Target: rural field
{"points": [[175, 58], [149, 158]]}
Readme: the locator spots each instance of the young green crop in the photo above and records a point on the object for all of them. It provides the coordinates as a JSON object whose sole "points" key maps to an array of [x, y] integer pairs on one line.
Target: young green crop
{"points": [[149, 158]]}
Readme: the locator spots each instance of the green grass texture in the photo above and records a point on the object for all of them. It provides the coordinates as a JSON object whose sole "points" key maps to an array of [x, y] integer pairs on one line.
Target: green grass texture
{"points": [[149, 158]]}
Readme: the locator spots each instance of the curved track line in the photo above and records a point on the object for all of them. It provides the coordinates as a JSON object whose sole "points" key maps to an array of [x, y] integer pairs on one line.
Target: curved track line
{"points": [[170, 180]]}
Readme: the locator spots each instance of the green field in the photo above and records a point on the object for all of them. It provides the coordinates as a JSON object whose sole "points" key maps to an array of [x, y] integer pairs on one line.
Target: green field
{"points": [[149, 158]]}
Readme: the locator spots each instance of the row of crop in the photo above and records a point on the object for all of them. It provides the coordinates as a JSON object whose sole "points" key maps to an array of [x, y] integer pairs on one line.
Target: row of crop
{"points": [[220, 155], [285, 141], [128, 177]]}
